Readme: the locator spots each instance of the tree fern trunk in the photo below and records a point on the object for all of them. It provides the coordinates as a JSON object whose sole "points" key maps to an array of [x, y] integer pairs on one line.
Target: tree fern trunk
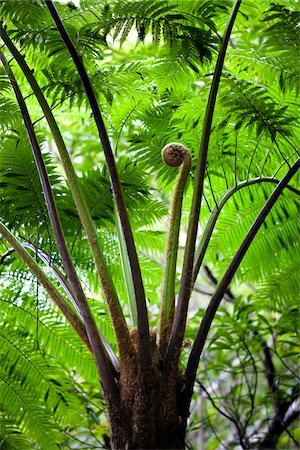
{"points": [[148, 418]]}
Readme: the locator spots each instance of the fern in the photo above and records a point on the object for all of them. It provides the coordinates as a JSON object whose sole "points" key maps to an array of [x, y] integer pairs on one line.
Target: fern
{"points": [[9, 114], [11, 437], [283, 32], [33, 15], [251, 106]]}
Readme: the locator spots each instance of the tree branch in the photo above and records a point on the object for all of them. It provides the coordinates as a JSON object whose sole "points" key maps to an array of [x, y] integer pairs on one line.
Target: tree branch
{"points": [[201, 336], [284, 414]]}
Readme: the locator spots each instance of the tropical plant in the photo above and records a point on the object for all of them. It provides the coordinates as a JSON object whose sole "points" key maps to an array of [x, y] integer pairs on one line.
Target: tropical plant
{"points": [[214, 84]]}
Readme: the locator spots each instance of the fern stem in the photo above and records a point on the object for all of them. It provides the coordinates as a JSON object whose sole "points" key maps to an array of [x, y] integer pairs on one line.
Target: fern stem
{"points": [[183, 157], [200, 253], [126, 271], [177, 333], [64, 283], [122, 332], [194, 358], [144, 355], [100, 355], [42, 278]]}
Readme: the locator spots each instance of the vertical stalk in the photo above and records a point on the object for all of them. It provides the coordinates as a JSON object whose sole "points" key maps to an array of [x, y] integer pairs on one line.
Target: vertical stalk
{"points": [[177, 333], [174, 155], [115, 309], [126, 271], [101, 357], [143, 323], [194, 358]]}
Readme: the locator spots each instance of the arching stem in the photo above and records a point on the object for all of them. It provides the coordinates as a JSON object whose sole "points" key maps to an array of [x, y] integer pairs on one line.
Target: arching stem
{"points": [[144, 353], [114, 306], [99, 352], [200, 253]]}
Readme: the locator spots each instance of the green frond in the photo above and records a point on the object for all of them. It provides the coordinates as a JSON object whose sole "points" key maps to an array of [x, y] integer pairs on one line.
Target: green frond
{"points": [[33, 15], [45, 329], [281, 289], [40, 359], [180, 29], [21, 193], [250, 105], [10, 116], [277, 68], [11, 436], [275, 242], [283, 33]]}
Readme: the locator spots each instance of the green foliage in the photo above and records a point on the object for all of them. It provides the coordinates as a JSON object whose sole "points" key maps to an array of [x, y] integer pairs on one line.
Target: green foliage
{"points": [[151, 63]]}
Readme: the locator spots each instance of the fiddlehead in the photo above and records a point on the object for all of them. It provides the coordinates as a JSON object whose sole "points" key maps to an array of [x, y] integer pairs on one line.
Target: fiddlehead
{"points": [[173, 155]]}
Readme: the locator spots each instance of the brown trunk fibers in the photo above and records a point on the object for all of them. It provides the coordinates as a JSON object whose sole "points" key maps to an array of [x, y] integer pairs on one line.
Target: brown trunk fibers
{"points": [[148, 415]]}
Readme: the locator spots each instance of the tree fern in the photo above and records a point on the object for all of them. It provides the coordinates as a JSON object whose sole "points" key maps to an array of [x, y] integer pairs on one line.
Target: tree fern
{"points": [[157, 72]]}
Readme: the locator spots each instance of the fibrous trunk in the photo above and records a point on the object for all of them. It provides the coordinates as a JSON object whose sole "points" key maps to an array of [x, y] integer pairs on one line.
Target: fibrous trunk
{"points": [[148, 416]]}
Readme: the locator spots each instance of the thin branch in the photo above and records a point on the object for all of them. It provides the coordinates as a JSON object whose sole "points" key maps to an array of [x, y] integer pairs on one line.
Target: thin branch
{"points": [[211, 188], [277, 426], [202, 333], [6, 255], [177, 334], [214, 280], [252, 157], [220, 411], [251, 393], [269, 368], [144, 355]]}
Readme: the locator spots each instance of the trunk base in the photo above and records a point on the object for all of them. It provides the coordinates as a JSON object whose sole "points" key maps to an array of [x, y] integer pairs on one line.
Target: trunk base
{"points": [[148, 416]]}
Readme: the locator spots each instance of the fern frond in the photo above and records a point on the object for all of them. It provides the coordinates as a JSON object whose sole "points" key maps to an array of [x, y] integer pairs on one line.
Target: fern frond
{"points": [[283, 33], [280, 290], [21, 193], [275, 241], [11, 436], [10, 116], [250, 105], [33, 15]]}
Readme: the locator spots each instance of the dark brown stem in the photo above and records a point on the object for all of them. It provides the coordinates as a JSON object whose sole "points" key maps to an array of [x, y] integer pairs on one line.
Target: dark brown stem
{"points": [[201, 336], [143, 324], [177, 334]]}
